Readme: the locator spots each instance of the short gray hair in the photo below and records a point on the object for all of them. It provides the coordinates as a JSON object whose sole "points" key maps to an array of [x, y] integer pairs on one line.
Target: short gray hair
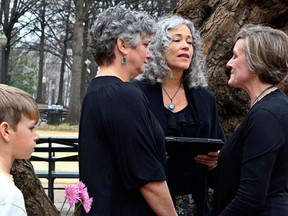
{"points": [[117, 22], [157, 69]]}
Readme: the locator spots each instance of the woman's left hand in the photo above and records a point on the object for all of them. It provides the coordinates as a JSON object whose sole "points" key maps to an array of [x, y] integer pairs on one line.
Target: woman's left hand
{"points": [[210, 160]]}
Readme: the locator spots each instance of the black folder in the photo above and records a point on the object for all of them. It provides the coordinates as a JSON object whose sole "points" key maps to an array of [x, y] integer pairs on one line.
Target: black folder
{"points": [[192, 146]]}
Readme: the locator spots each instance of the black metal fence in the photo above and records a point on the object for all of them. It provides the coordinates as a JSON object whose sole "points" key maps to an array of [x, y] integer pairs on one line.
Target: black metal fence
{"points": [[56, 149]]}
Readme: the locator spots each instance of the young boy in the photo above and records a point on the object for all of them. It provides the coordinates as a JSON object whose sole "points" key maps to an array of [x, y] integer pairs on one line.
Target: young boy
{"points": [[18, 116]]}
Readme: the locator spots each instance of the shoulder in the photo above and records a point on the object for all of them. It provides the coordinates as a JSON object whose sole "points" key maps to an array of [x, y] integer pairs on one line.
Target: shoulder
{"points": [[201, 93], [123, 95], [11, 196], [273, 106], [275, 103], [141, 83], [146, 87], [111, 88], [137, 82], [8, 188], [127, 90]]}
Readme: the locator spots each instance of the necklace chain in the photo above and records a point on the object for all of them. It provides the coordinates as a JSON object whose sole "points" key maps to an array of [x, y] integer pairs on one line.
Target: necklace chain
{"points": [[171, 106], [259, 97]]}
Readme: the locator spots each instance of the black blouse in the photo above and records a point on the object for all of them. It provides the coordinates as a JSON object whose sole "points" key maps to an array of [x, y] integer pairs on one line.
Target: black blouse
{"points": [[198, 119], [121, 148], [177, 123], [181, 164]]}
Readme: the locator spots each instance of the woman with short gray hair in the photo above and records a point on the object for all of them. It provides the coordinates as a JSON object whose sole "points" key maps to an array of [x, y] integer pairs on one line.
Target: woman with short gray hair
{"points": [[121, 145]]}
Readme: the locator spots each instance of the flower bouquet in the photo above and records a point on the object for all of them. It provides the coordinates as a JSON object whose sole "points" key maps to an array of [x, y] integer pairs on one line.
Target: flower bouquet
{"points": [[77, 195]]}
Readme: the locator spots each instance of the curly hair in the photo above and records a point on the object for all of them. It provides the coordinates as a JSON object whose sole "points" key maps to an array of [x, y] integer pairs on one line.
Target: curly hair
{"points": [[157, 69], [117, 22], [266, 52]]}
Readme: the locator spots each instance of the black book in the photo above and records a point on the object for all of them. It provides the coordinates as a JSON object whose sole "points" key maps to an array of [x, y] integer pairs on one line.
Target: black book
{"points": [[181, 146]]}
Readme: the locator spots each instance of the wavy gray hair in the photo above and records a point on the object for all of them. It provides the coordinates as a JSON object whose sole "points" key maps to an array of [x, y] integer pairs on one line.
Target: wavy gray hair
{"points": [[157, 69], [117, 22]]}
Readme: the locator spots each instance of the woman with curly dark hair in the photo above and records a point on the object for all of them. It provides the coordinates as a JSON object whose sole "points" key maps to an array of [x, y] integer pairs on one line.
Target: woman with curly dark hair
{"points": [[175, 84]]}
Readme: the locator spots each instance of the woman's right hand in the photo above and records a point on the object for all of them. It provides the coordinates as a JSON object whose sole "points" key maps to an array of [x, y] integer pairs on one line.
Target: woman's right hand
{"points": [[210, 160]]}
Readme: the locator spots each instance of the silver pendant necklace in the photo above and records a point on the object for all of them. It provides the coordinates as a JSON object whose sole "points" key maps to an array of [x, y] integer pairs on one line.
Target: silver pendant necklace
{"points": [[171, 105], [261, 95]]}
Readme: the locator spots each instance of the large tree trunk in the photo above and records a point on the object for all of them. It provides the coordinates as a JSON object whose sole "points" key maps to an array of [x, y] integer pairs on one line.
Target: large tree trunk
{"points": [[219, 21], [40, 98], [60, 100], [77, 47], [36, 201], [81, 9]]}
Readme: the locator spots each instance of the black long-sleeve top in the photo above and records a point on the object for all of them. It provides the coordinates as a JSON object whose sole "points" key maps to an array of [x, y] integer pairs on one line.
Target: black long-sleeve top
{"points": [[253, 165]]}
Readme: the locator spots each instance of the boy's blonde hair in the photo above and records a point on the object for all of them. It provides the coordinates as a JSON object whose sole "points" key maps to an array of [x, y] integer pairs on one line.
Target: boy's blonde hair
{"points": [[16, 103]]}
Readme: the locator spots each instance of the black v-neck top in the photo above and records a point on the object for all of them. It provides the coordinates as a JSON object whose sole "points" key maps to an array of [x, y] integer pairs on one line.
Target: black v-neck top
{"points": [[178, 122], [200, 120]]}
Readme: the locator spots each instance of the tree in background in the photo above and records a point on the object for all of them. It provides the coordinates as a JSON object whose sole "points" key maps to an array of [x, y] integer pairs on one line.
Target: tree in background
{"points": [[10, 13], [50, 26], [83, 72], [41, 17], [81, 10], [24, 72], [65, 42], [219, 21]]}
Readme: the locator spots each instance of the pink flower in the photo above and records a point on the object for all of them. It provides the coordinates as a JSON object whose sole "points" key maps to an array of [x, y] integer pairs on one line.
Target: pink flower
{"points": [[78, 195], [87, 204], [72, 194], [83, 192]]}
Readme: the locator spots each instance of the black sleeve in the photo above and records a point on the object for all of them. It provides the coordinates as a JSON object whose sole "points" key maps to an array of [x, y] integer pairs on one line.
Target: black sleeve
{"points": [[135, 146], [262, 141]]}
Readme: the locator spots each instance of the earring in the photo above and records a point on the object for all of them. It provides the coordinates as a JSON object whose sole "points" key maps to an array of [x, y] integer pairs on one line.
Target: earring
{"points": [[124, 60]]}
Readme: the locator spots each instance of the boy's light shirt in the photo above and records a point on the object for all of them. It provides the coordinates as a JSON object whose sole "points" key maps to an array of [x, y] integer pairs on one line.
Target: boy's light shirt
{"points": [[11, 198]]}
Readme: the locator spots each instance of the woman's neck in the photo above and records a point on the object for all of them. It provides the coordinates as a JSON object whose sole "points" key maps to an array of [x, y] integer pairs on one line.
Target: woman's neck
{"points": [[112, 71], [174, 80], [261, 93]]}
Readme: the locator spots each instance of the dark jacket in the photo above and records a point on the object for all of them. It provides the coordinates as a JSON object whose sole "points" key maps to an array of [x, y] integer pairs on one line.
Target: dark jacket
{"points": [[205, 124]]}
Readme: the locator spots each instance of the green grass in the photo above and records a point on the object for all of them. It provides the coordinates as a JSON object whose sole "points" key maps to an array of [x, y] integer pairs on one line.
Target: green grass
{"points": [[61, 127]]}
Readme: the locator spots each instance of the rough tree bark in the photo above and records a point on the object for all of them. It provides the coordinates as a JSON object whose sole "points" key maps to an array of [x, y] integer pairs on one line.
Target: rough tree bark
{"points": [[219, 21], [36, 201]]}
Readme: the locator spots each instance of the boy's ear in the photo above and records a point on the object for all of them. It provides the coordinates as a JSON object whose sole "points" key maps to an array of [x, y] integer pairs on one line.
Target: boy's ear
{"points": [[122, 46], [5, 131]]}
